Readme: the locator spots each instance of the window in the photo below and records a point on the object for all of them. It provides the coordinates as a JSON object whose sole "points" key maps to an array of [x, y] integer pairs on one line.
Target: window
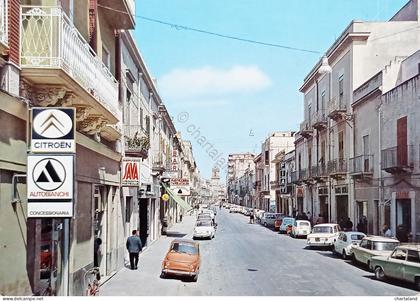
{"points": [[341, 89], [141, 118], [106, 57], [267, 159], [399, 254], [322, 102], [341, 145], [413, 256], [148, 125], [309, 114]]}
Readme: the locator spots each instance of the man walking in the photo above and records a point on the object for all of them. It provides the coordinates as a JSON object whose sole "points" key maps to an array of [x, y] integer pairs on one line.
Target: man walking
{"points": [[134, 247]]}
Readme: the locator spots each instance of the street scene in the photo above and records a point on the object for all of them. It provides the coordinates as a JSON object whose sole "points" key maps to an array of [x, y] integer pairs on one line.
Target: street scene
{"points": [[209, 148], [225, 271]]}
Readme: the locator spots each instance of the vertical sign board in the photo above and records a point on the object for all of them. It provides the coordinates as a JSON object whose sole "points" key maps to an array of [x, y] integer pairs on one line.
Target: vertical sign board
{"points": [[50, 184], [130, 172], [53, 130], [180, 186]]}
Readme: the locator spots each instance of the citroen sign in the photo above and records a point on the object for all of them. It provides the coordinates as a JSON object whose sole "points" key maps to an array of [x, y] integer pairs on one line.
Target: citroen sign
{"points": [[53, 130]]}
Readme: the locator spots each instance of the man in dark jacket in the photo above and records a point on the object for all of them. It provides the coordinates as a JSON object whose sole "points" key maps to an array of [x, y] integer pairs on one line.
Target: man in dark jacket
{"points": [[134, 247]]}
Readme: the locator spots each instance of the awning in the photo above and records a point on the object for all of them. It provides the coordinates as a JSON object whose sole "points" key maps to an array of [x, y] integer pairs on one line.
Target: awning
{"points": [[177, 198]]}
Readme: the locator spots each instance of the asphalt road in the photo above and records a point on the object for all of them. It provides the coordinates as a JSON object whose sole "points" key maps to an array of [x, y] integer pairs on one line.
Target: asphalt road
{"points": [[251, 260]]}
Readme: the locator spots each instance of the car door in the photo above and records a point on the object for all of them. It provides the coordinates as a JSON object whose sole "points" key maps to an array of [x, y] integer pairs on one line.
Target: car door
{"points": [[411, 267], [394, 265], [339, 243], [360, 251]]}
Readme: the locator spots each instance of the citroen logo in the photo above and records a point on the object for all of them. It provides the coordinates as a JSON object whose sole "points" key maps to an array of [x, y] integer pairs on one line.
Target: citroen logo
{"points": [[49, 174], [52, 124]]}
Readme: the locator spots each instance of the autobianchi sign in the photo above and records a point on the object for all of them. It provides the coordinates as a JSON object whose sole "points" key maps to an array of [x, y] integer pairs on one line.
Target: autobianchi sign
{"points": [[53, 130], [50, 173], [50, 185]]}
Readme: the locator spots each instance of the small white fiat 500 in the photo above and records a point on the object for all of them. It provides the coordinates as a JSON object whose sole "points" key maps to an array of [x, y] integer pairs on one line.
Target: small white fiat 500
{"points": [[323, 235]]}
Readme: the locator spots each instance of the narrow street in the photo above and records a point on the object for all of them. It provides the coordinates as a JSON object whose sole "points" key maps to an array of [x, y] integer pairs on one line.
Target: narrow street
{"points": [[247, 259]]}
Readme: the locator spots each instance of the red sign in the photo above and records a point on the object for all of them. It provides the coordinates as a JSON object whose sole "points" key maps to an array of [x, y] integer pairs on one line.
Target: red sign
{"points": [[130, 172]]}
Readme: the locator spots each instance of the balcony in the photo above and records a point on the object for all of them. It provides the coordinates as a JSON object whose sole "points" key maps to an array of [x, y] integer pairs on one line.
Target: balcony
{"points": [[361, 166], [305, 130], [319, 120], [63, 70], [337, 168], [119, 13], [4, 42], [337, 108], [274, 184], [137, 143], [398, 159]]}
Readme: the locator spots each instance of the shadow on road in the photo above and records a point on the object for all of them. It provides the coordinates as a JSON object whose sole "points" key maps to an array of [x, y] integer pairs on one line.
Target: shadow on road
{"points": [[392, 282], [330, 255], [175, 234]]}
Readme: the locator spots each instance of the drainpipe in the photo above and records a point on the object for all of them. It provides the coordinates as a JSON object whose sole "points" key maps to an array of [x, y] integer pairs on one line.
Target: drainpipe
{"points": [[381, 216]]}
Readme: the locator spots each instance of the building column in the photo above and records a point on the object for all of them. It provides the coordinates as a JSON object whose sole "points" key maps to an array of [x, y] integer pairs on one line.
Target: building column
{"points": [[393, 216], [412, 195]]}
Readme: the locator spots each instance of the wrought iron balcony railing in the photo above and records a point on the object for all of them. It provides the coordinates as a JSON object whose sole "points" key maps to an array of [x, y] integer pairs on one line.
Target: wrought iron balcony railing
{"points": [[362, 164], [49, 40], [398, 159], [337, 166], [136, 140]]}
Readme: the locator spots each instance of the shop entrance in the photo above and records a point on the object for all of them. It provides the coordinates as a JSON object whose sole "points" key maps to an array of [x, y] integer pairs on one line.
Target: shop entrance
{"points": [[143, 216], [342, 207], [323, 207], [49, 246], [403, 219]]}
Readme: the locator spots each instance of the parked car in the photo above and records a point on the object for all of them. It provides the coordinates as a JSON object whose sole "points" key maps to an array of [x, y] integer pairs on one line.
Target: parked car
{"points": [[233, 209], [300, 228], [402, 264], [204, 229], [287, 222], [373, 246], [208, 211], [227, 206], [268, 219], [323, 235], [345, 243], [182, 259]]}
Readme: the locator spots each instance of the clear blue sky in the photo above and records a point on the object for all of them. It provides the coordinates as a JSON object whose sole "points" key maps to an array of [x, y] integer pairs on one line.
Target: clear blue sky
{"points": [[229, 88]]}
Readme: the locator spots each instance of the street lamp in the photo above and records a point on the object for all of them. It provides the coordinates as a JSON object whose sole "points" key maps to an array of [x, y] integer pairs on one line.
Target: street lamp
{"points": [[325, 66]]}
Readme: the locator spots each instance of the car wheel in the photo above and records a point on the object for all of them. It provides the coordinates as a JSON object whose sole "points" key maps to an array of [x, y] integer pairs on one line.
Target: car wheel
{"points": [[162, 275], [417, 283], [379, 274], [265, 224], [344, 255]]}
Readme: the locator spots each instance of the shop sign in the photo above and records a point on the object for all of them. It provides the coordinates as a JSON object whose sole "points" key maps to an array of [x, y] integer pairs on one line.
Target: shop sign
{"points": [[50, 184], [53, 130], [130, 172]]}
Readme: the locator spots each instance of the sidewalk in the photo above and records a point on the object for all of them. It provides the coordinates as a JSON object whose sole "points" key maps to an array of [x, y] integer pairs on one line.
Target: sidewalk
{"points": [[129, 282]]}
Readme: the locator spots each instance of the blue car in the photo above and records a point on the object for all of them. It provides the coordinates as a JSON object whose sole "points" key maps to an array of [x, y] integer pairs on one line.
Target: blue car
{"points": [[287, 221]]}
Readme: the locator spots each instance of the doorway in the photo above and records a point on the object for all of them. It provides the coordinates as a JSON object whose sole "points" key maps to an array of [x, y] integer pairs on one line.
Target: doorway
{"points": [[143, 216], [403, 219], [342, 207], [323, 207]]}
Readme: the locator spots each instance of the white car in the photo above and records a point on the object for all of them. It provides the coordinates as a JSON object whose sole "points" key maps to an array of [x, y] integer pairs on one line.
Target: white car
{"points": [[208, 211], [373, 246], [204, 229], [345, 243], [300, 228], [323, 235]]}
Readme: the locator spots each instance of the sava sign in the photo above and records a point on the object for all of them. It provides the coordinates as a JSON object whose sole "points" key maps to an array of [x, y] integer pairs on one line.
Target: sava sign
{"points": [[130, 172]]}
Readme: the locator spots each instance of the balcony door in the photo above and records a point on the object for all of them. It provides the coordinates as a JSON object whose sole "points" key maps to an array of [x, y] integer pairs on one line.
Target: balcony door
{"points": [[366, 153], [402, 150]]}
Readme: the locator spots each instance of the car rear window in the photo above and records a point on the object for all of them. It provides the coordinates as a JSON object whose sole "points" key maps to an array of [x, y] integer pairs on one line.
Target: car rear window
{"points": [[384, 245], [356, 236], [303, 223], [184, 248], [322, 229]]}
